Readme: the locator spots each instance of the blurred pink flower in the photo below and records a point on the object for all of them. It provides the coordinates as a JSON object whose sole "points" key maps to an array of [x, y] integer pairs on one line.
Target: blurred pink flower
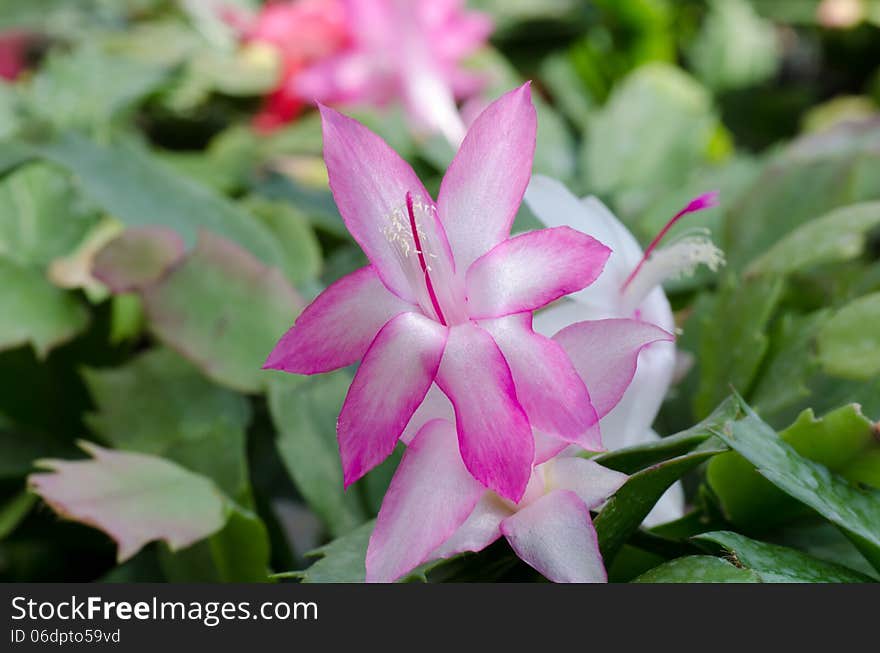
{"points": [[302, 32], [407, 50], [448, 298], [13, 51]]}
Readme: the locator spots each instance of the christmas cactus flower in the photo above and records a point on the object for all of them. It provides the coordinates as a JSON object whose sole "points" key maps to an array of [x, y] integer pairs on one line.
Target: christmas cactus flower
{"points": [[447, 299], [630, 287], [298, 33], [435, 509], [407, 50], [13, 53]]}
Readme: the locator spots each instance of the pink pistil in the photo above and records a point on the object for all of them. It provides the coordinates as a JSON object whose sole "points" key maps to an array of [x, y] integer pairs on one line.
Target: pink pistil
{"points": [[704, 201], [421, 255]]}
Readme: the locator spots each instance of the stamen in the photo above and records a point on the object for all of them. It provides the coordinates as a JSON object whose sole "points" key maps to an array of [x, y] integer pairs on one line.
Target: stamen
{"points": [[425, 268], [705, 201], [676, 260]]}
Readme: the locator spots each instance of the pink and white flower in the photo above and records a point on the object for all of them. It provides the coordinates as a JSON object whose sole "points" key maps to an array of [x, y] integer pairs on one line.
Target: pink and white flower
{"points": [[407, 50], [630, 287], [434, 509], [447, 301]]}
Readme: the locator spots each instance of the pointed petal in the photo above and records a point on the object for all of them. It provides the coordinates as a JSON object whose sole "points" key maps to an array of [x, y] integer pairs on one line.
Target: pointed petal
{"points": [[482, 527], [556, 206], [430, 496], [337, 328], [629, 421], [531, 270], [369, 182], [587, 479], [547, 385], [485, 182], [493, 431], [556, 536], [606, 352], [389, 385]]}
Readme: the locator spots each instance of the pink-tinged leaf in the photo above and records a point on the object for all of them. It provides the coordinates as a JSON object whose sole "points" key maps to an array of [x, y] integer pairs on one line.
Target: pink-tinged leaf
{"points": [[531, 270], [493, 431], [134, 498], [430, 496], [223, 310], [337, 328], [556, 536], [137, 257], [370, 181], [392, 381], [606, 352], [484, 185], [547, 385], [593, 483]]}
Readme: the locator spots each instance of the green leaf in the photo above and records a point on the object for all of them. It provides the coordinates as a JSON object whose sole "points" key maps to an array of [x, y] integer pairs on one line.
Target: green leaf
{"points": [[836, 236], [805, 181], [302, 252], [655, 128], [340, 561], [34, 311], [698, 569], [627, 509], [89, 88], [133, 497], [735, 47], [13, 512], [138, 189], [733, 339], [160, 404], [849, 343], [40, 219], [304, 411], [238, 553], [855, 511], [632, 459], [839, 440], [791, 361], [224, 311], [779, 564]]}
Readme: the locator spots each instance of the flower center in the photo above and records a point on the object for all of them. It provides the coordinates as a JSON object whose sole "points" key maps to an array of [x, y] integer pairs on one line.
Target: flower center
{"points": [[414, 233]]}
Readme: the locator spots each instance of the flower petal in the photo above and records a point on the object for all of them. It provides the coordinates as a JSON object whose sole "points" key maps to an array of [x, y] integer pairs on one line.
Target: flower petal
{"points": [[606, 352], [547, 385], [430, 496], [482, 527], [586, 478], [556, 536], [337, 328], [493, 431], [369, 183], [629, 421], [485, 182], [389, 385], [531, 270]]}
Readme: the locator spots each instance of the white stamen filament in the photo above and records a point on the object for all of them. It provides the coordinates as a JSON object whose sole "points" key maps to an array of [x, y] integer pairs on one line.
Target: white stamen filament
{"points": [[676, 260]]}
